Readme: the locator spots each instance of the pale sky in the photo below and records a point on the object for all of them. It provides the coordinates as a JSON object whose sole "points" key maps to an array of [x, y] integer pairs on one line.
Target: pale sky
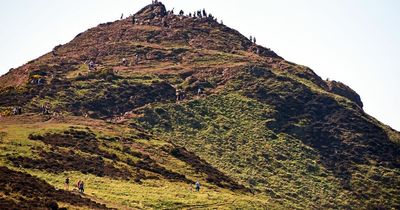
{"points": [[356, 42]]}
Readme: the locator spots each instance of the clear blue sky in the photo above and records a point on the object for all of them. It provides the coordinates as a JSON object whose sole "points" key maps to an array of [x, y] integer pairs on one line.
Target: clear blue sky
{"points": [[353, 41]]}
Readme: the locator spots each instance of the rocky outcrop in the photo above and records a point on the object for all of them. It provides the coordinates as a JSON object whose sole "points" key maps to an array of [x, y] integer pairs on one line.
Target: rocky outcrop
{"points": [[345, 91], [151, 11]]}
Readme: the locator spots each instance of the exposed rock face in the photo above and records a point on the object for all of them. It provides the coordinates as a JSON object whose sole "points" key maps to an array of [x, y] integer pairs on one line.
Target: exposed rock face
{"points": [[345, 91], [151, 11]]}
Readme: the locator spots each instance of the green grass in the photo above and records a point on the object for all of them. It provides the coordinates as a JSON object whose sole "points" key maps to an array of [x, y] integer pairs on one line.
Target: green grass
{"points": [[154, 194], [150, 194], [229, 131]]}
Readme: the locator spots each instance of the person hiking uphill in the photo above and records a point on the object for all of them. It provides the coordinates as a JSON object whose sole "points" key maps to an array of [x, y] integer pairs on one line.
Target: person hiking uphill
{"points": [[197, 186], [67, 183], [81, 187]]}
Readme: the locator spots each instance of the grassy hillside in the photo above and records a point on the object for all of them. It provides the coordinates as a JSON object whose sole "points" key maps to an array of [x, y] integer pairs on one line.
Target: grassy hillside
{"points": [[262, 133], [120, 169]]}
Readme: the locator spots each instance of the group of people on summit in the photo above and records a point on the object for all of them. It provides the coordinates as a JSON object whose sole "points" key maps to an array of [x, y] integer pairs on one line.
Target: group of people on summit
{"points": [[195, 14]]}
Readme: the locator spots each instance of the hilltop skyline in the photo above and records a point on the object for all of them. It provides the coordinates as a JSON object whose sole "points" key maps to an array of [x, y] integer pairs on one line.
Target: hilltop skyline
{"points": [[353, 42]]}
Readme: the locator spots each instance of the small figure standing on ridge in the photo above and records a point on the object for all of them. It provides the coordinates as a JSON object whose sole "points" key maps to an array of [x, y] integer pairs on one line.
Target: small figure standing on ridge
{"points": [[254, 40], [181, 13], [204, 13], [122, 16]]}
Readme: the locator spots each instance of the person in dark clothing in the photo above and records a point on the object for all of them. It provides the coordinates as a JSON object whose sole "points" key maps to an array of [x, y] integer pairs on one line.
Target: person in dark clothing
{"points": [[197, 186], [67, 183], [19, 110], [81, 187]]}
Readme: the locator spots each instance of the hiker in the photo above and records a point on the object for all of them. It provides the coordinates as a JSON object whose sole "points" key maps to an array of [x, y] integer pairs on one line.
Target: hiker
{"points": [[197, 186], [19, 110], [91, 65], [199, 91], [137, 59], [251, 38], [182, 96], [14, 111], [45, 109], [133, 20], [67, 183], [254, 40], [124, 62], [181, 13], [81, 187], [204, 13], [178, 94], [40, 81], [122, 16], [199, 14]]}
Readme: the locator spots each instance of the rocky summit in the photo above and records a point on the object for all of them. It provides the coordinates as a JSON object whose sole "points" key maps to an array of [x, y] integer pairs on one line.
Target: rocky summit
{"points": [[166, 111]]}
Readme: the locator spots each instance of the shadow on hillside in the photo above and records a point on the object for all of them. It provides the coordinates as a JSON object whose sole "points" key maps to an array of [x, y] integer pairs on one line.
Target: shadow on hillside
{"points": [[342, 136], [23, 191]]}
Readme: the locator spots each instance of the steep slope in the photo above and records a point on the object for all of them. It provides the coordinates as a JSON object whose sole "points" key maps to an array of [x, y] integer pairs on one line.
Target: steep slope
{"points": [[256, 130]]}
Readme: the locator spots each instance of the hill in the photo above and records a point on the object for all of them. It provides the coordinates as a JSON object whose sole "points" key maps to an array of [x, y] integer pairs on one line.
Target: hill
{"points": [[142, 108]]}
